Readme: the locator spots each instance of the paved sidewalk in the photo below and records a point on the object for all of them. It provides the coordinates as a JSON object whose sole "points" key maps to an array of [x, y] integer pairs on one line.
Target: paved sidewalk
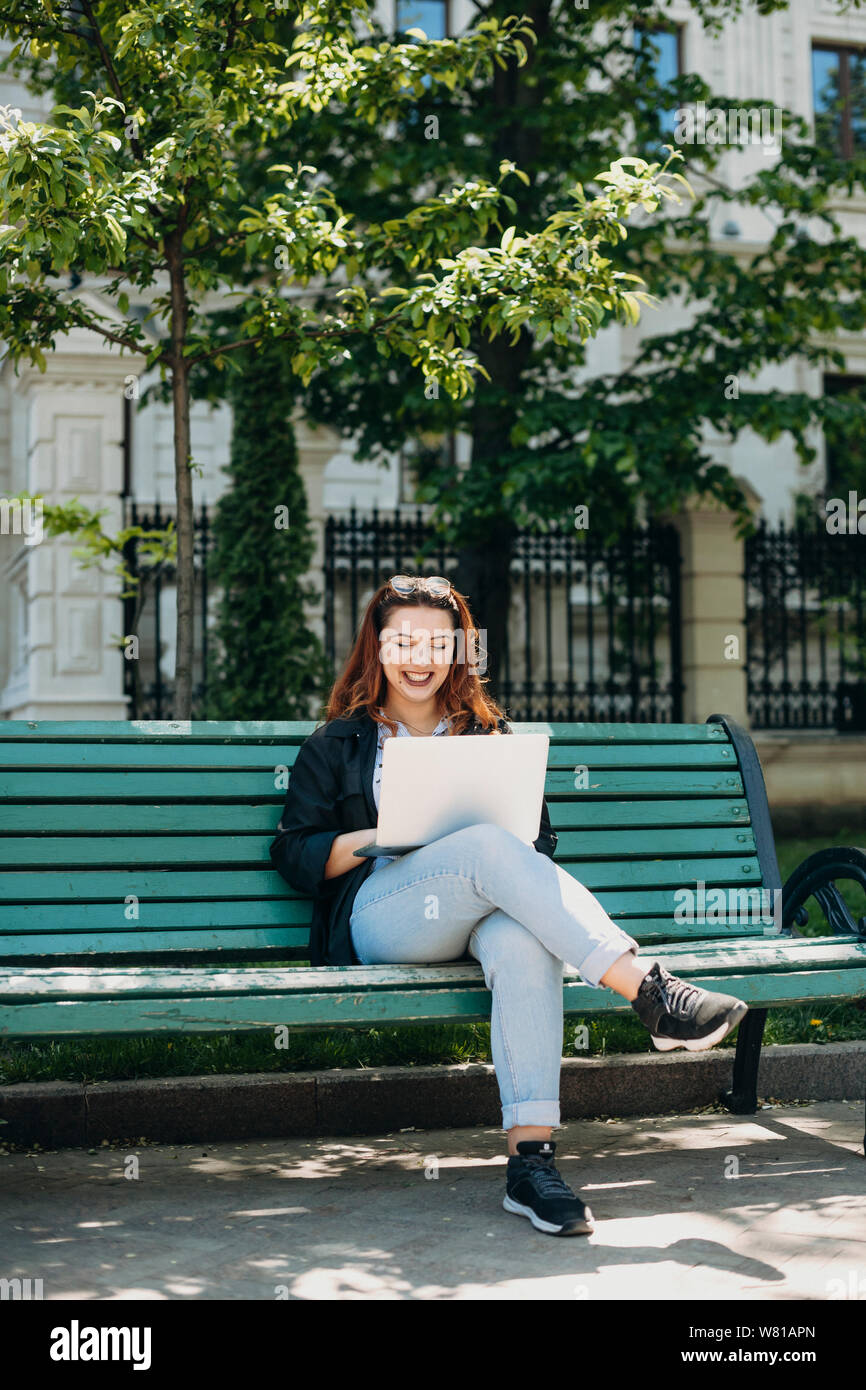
{"points": [[360, 1218]]}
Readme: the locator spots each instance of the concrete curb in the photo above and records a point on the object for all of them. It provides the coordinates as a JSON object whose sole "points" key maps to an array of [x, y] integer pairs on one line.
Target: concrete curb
{"points": [[190, 1109]]}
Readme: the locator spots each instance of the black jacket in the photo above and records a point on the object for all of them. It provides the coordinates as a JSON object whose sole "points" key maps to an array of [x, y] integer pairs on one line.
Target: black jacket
{"points": [[331, 792]]}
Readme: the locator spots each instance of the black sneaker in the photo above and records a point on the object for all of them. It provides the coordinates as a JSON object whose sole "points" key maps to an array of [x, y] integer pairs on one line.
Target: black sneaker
{"points": [[534, 1188], [678, 1014]]}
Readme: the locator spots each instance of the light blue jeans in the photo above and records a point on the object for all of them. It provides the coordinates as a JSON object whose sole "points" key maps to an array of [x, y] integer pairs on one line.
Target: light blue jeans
{"points": [[522, 917]]}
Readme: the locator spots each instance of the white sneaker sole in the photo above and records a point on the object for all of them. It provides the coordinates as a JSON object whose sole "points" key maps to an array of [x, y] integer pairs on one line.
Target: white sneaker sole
{"points": [[703, 1044], [585, 1228]]}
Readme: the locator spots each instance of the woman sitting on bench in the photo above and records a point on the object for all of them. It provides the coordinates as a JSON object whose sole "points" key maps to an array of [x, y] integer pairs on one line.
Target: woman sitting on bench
{"points": [[506, 903]]}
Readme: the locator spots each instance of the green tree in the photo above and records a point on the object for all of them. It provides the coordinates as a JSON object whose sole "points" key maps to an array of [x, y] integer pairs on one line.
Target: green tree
{"points": [[269, 664], [543, 438], [143, 184]]}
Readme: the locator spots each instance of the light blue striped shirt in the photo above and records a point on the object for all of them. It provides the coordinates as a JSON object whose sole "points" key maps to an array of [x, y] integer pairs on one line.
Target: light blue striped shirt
{"points": [[402, 732]]}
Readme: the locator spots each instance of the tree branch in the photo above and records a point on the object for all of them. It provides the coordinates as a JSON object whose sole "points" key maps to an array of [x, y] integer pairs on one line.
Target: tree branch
{"points": [[295, 332], [134, 144], [103, 51], [82, 321]]}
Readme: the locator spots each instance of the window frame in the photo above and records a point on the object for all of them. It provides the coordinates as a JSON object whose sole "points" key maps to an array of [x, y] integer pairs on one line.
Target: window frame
{"points": [[840, 384], [842, 51], [677, 28]]}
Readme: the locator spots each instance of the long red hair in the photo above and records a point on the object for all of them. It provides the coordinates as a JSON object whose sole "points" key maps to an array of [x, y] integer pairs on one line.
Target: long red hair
{"points": [[363, 685]]}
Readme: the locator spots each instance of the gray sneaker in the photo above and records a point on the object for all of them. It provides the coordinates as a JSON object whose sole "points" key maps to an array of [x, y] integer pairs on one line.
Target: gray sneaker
{"points": [[678, 1014]]}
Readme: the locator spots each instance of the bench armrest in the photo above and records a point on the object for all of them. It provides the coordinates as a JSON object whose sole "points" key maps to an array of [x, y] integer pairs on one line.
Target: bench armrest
{"points": [[816, 877]]}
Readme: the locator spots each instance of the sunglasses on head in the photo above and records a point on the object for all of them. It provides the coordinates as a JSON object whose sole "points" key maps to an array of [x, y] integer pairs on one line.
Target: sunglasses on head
{"points": [[407, 584]]}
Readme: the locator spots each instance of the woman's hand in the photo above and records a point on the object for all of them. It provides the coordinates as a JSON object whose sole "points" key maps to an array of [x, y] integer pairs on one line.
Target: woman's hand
{"points": [[342, 857]]}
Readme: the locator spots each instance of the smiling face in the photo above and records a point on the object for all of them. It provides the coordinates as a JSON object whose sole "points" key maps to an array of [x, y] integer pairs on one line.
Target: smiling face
{"points": [[416, 648]]}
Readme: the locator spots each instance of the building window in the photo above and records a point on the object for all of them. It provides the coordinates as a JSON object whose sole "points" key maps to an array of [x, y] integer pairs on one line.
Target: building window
{"points": [[429, 15], [839, 96], [663, 48], [845, 449]]}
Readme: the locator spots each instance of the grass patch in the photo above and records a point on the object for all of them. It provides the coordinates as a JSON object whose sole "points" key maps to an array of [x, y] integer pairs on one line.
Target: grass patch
{"points": [[118, 1059]]}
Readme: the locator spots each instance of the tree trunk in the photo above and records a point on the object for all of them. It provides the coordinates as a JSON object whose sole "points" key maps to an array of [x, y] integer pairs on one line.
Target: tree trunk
{"points": [[183, 482], [484, 559], [483, 575]]}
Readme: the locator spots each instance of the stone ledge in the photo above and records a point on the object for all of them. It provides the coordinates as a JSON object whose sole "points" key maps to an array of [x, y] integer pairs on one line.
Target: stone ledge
{"points": [[189, 1109]]}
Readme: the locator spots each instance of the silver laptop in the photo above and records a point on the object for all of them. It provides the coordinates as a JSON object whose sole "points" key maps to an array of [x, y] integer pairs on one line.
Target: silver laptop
{"points": [[434, 786]]}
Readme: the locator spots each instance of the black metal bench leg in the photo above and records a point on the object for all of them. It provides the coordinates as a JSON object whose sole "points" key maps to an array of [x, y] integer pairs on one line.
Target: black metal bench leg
{"points": [[742, 1099]]}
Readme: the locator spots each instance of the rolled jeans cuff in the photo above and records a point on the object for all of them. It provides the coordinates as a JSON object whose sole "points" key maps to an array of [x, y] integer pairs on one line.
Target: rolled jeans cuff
{"points": [[599, 961], [531, 1112]]}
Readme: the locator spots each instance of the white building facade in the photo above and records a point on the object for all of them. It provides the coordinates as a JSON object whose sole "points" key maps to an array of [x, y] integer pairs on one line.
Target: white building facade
{"points": [[67, 434]]}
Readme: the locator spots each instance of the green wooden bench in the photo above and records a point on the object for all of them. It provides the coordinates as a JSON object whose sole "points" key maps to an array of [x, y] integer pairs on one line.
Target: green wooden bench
{"points": [[137, 894]]}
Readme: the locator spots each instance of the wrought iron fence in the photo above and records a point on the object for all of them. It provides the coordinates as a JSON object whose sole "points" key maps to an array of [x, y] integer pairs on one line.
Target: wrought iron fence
{"points": [[150, 614], [806, 637], [594, 628]]}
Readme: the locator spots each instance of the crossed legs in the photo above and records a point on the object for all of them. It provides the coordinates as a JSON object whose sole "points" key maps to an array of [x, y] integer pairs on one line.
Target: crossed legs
{"points": [[522, 917]]}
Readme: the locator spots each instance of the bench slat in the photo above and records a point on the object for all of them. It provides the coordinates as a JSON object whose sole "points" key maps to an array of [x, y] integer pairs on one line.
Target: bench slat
{"points": [[197, 818], [601, 815], [95, 885], [88, 758], [214, 731], [231, 913], [56, 731], [214, 785], [640, 755], [24, 852], [185, 945], [208, 784], [294, 940], [357, 1008], [678, 782], [143, 982]]}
